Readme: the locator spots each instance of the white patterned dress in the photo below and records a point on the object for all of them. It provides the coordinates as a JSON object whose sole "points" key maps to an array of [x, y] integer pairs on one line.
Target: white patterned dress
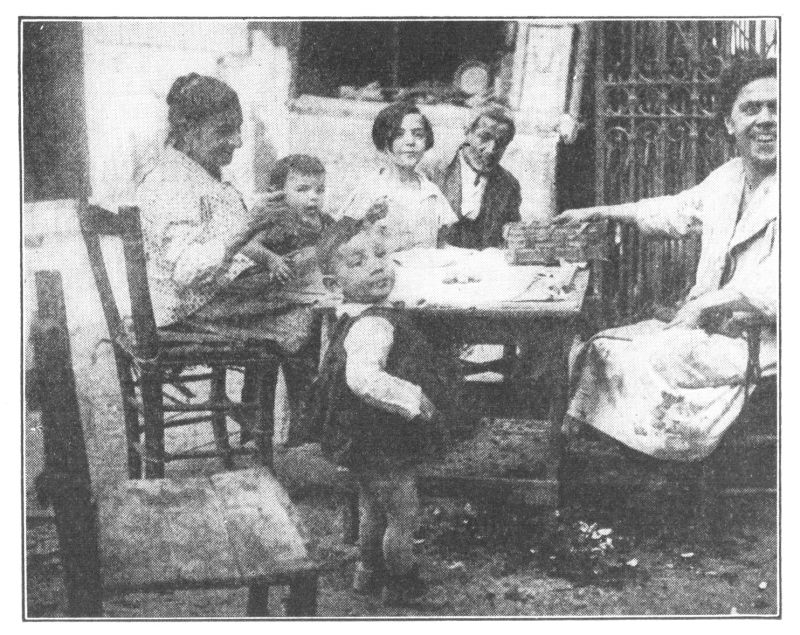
{"points": [[673, 393]]}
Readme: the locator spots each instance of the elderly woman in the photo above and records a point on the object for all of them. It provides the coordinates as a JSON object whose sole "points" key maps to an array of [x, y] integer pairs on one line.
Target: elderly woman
{"points": [[409, 209], [208, 269], [671, 390]]}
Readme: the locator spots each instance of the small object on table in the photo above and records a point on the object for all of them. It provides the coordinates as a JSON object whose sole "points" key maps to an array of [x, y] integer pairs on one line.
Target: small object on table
{"points": [[461, 279], [543, 243], [370, 92]]}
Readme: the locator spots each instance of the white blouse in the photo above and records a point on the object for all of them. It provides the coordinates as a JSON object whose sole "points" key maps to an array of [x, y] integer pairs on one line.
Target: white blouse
{"points": [[414, 216], [188, 217], [750, 242], [748, 247]]}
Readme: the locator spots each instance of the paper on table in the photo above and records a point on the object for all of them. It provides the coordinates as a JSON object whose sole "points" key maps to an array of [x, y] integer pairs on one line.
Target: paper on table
{"points": [[434, 258], [466, 278], [554, 284]]}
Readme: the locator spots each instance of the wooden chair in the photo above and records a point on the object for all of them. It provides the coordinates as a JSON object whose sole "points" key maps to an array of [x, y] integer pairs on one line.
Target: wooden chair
{"points": [[231, 529], [642, 277], [746, 460], [152, 358]]}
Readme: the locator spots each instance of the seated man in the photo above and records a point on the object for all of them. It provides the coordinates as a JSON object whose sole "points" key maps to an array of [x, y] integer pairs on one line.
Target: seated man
{"points": [[483, 195]]}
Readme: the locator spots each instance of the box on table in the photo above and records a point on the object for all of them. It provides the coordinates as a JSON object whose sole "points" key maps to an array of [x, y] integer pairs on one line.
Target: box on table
{"points": [[543, 243]]}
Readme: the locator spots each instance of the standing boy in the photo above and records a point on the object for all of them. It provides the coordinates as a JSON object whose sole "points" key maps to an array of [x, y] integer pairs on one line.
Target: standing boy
{"points": [[385, 402]]}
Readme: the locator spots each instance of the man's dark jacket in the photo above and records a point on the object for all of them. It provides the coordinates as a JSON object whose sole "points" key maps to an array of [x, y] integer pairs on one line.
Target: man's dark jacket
{"points": [[500, 205]]}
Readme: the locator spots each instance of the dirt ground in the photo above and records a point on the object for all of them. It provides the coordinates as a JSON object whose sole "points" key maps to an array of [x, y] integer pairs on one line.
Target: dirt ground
{"points": [[615, 551], [497, 558], [491, 575]]}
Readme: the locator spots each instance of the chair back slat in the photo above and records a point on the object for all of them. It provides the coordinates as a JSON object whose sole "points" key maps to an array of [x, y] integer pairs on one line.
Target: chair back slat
{"points": [[65, 482], [126, 225], [98, 220], [144, 323], [647, 271], [95, 222]]}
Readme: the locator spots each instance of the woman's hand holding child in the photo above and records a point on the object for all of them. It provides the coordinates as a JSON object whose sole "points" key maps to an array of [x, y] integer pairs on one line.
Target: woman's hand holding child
{"points": [[279, 267]]}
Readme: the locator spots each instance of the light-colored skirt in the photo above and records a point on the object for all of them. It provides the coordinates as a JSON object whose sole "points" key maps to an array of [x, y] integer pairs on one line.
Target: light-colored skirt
{"points": [[669, 393]]}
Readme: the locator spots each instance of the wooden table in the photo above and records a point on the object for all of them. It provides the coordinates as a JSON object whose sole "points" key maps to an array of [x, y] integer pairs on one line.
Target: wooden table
{"points": [[519, 324]]}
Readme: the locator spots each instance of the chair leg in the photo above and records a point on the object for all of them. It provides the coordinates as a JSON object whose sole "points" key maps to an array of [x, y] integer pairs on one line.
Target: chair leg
{"points": [[218, 418], [132, 428], [302, 600], [248, 395], [351, 518], [258, 600], [153, 410], [705, 525], [265, 426]]}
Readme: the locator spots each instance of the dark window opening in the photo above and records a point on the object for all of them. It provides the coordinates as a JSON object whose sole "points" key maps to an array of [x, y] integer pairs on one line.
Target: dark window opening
{"points": [[394, 54], [52, 115]]}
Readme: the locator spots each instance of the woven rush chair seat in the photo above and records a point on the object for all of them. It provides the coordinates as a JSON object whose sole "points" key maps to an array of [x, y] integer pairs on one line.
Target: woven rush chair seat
{"points": [[227, 529], [224, 530], [184, 348]]}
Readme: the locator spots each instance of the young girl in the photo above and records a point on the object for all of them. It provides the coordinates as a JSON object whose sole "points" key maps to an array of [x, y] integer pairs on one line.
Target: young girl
{"points": [[415, 208]]}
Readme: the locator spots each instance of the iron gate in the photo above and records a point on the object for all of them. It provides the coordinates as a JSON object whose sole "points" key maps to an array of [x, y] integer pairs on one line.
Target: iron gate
{"points": [[656, 132], [656, 86]]}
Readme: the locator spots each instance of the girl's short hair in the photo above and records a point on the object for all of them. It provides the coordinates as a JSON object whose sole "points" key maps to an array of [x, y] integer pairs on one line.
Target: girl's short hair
{"points": [[745, 68], [389, 122], [299, 163], [194, 98]]}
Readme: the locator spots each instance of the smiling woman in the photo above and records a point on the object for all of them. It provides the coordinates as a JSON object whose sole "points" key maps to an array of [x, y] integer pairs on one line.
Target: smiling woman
{"points": [[672, 390], [208, 268], [752, 123], [205, 121]]}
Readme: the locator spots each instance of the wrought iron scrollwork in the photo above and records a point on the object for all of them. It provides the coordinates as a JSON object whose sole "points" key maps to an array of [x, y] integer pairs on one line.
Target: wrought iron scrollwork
{"points": [[656, 86]]}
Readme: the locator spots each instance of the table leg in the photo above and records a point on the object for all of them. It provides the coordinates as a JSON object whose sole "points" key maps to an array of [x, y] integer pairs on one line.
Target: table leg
{"points": [[302, 599], [559, 402], [258, 600]]}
